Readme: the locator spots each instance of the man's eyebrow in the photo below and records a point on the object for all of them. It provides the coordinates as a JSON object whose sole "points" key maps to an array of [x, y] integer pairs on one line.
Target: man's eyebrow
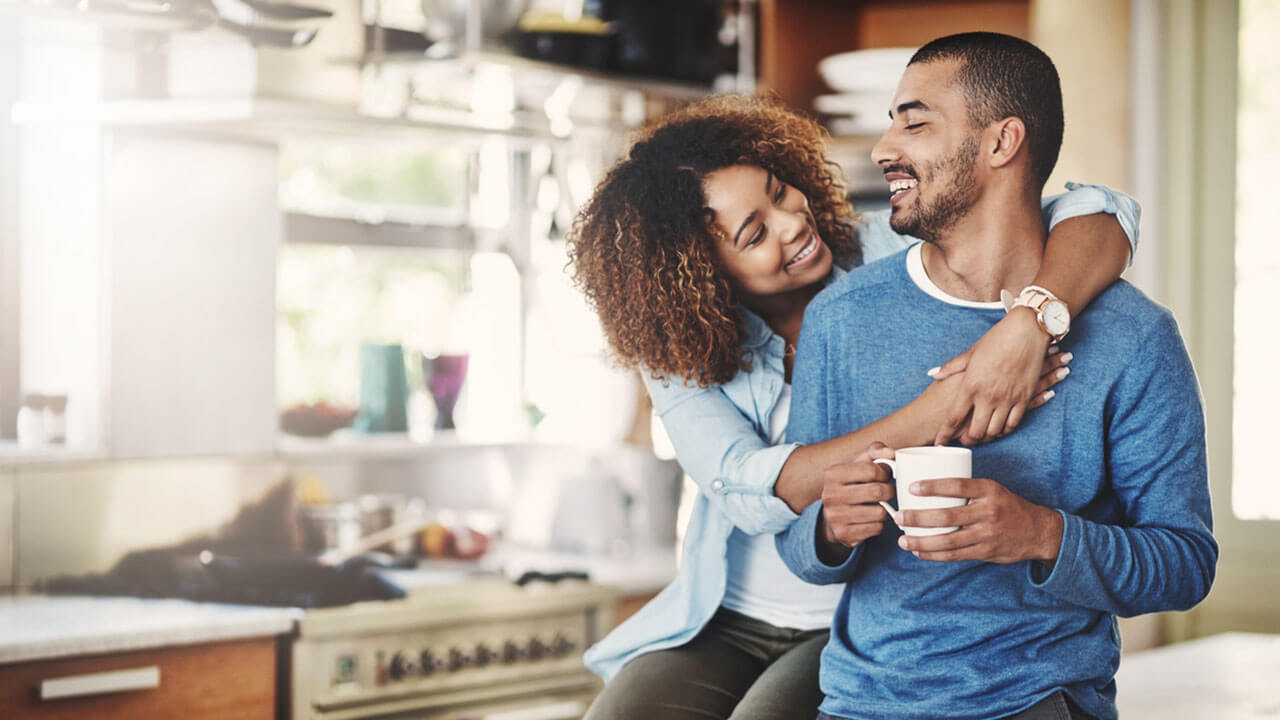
{"points": [[913, 105]]}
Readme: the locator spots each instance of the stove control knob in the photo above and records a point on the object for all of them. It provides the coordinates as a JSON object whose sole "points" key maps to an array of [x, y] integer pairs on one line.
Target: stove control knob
{"points": [[561, 645], [457, 660], [428, 663], [510, 653], [536, 649], [484, 655], [402, 665]]}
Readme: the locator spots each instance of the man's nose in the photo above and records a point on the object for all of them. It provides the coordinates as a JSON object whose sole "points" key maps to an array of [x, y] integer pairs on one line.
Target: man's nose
{"points": [[885, 151]]}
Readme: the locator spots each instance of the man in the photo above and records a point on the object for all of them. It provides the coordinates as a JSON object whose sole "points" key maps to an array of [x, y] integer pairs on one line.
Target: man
{"points": [[1097, 506]]}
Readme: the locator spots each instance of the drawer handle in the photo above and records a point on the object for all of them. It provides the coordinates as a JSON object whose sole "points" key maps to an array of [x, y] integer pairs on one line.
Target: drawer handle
{"points": [[143, 678]]}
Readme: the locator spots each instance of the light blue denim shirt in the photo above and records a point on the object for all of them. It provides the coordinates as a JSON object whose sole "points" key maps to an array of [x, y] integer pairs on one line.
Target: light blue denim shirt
{"points": [[720, 435]]}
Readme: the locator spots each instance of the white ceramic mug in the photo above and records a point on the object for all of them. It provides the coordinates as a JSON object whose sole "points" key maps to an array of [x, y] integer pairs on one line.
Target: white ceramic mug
{"points": [[926, 463]]}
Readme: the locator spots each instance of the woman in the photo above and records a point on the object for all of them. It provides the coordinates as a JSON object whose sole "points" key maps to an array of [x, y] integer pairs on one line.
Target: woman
{"points": [[699, 252]]}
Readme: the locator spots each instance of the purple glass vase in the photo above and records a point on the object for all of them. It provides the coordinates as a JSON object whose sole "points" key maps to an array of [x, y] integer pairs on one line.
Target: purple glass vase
{"points": [[444, 376]]}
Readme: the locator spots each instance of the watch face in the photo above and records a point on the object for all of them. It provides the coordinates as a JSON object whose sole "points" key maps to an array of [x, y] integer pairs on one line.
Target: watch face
{"points": [[1056, 318]]}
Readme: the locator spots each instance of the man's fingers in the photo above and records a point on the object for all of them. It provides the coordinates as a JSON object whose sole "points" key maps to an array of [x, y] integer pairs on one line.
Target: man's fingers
{"points": [[973, 552], [958, 540], [938, 517], [950, 487]]}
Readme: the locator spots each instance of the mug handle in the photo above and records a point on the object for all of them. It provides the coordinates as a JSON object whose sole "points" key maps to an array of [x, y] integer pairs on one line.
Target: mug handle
{"points": [[894, 515]]}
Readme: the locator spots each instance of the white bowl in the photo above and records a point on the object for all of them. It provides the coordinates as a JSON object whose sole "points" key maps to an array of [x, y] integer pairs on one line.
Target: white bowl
{"points": [[861, 103], [861, 125], [863, 70]]}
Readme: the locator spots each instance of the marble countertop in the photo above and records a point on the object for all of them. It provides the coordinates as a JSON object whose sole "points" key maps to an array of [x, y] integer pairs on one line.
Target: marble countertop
{"points": [[39, 627]]}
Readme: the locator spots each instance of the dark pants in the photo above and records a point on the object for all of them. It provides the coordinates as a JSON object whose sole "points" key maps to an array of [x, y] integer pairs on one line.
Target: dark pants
{"points": [[1054, 707], [737, 668]]}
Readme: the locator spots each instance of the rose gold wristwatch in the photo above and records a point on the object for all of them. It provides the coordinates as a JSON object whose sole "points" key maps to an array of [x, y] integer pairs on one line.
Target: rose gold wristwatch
{"points": [[1051, 312]]}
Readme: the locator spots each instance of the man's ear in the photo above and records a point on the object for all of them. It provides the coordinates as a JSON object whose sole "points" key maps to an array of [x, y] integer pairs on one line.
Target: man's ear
{"points": [[1005, 138]]}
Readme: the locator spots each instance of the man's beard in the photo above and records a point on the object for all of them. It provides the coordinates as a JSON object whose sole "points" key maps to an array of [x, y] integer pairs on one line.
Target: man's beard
{"points": [[931, 219]]}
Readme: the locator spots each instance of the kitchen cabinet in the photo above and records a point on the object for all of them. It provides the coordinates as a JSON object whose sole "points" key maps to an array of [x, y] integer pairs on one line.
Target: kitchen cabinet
{"points": [[147, 265], [194, 229], [216, 680], [796, 34]]}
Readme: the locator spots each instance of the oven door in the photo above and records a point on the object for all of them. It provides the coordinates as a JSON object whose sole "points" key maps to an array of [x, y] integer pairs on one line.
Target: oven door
{"points": [[562, 704]]}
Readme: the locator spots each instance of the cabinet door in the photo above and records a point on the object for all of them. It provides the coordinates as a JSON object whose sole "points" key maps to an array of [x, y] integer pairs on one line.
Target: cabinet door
{"points": [[193, 232], [198, 682]]}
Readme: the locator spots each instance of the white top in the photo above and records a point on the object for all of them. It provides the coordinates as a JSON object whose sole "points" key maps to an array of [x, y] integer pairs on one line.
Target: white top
{"points": [[759, 584], [38, 627], [916, 271]]}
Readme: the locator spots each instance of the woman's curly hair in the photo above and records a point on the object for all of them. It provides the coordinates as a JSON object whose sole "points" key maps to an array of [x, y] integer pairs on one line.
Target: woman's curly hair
{"points": [[644, 253]]}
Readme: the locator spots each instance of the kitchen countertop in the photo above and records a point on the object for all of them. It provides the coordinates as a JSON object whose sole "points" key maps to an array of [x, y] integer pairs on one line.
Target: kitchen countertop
{"points": [[640, 572], [1222, 677], [40, 627]]}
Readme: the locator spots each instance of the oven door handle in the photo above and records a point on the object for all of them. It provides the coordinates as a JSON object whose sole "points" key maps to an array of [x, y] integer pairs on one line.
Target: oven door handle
{"points": [[143, 678]]}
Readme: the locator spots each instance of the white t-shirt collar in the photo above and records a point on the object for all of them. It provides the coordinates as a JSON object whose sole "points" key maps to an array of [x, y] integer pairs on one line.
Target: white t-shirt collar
{"points": [[915, 269]]}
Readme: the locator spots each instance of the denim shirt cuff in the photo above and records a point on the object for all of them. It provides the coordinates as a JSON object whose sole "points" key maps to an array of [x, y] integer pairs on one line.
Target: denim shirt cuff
{"points": [[1087, 199]]}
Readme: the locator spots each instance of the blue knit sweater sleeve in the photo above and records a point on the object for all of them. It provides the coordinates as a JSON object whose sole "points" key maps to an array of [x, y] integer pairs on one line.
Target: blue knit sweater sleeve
{"points": [[807, 424], [1162, 556]]}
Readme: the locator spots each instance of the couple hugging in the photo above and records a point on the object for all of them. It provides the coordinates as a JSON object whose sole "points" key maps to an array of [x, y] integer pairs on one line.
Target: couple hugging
{"points": [[788, 344]]}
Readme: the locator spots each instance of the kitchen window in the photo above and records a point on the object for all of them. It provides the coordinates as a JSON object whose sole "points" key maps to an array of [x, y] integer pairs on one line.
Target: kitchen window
{"points": [[422, 249], [1256, 494]]}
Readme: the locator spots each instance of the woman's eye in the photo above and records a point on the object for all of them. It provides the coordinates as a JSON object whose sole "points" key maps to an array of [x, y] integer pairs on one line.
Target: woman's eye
{"points": [[782, 192], [915, 126], [755, 239]]}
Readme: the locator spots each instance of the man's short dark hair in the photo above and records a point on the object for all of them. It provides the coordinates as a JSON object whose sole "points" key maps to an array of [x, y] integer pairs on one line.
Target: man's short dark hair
{"points": [[1004, 76]]}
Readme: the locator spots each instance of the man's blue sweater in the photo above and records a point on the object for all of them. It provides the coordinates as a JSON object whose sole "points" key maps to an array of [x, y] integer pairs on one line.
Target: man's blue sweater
{"points": [[1120, 453]]}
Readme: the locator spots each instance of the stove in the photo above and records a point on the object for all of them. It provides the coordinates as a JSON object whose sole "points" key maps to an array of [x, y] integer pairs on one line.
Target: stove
{"points": [[473, 648]]}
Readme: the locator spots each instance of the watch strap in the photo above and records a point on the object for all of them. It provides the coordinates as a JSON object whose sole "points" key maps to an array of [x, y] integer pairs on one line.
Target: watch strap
{"points": [[1036, 298]]}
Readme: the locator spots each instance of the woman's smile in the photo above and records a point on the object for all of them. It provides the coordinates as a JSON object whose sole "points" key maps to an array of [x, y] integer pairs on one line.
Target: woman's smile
{"points": [[809, 253]]}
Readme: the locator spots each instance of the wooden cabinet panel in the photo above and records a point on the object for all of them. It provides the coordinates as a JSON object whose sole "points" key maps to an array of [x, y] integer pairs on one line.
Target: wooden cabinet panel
{"points": [[899, 24], [795, 34], [198, 682]]}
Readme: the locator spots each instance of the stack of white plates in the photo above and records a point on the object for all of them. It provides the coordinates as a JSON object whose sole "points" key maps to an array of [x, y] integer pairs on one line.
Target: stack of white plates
{"points": [[865, 81]]}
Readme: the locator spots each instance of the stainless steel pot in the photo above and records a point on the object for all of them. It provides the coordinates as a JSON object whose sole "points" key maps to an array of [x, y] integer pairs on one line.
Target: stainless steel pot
{"points": [[385, 510], [330, 526]]}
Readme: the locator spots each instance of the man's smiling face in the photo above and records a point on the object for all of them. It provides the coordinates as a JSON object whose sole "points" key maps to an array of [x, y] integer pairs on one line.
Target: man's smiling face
{"points": [[929, 154]]}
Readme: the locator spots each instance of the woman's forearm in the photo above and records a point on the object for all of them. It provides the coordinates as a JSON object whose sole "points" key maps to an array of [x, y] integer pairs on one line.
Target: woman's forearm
{"points": [[800, 482], [1082, 256]]}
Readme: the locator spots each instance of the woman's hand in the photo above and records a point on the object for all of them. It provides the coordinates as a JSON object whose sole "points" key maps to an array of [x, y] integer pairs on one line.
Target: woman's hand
{"points": [[1007, 372]]}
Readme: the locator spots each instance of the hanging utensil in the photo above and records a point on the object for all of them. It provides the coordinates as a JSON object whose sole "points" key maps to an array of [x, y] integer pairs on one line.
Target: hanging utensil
{"points": [[288, 11], [270, 37]]}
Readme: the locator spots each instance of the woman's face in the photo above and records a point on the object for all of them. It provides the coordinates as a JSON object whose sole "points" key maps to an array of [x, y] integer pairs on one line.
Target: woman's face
{"points": [[767, 239]]}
